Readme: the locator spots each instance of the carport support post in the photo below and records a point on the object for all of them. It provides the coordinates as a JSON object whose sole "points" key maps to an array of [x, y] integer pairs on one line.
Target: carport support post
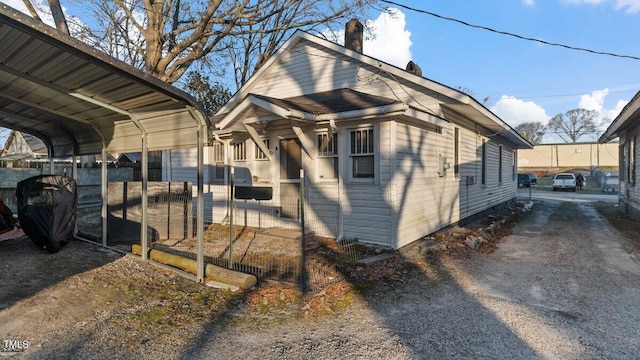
{"points": [[145, 210], [200, 205], [303, 265], [103, 192], [231, 205]]}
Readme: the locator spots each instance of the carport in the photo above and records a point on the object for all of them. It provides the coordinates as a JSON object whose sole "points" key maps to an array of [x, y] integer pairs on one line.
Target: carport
{"points": [[80, 101]]}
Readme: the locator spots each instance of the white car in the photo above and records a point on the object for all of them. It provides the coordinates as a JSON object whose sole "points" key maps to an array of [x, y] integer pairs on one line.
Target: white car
{"points": [[564, 181]]}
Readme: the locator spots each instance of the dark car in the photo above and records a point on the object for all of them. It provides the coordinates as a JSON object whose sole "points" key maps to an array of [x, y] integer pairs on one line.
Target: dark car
{"points": [[524, 180], [533, 179]]}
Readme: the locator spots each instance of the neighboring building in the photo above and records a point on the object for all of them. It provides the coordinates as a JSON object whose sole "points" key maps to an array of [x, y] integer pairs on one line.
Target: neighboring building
{"points": [[585, 154], [21, 149], [389, 156], [626, 127]]}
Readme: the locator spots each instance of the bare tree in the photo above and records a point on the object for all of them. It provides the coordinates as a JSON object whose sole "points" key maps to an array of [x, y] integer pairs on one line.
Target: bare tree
{"points": [[573, 124], [532, 131], [166, 37], [248, 53]]}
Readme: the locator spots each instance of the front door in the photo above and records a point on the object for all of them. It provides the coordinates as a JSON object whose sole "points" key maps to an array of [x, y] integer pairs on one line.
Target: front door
{"points": [[290, 165]]}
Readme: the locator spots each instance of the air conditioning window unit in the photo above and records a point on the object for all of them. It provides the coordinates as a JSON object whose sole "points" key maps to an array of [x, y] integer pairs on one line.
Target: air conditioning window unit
{"points": [[471, 180]]}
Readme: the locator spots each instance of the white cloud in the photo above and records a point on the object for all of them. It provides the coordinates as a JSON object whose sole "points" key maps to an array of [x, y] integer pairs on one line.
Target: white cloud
{"points": [[595, 101], [529, 2], [392, 42], [633, 6], [515, 111], [388, 40], [613, 113]]}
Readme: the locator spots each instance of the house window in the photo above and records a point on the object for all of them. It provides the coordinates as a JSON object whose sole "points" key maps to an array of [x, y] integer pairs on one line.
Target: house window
{"points": [[259, 154], [240, 151], [456, 153], [514, 165], [500, 164], [361, 153], [327, 156], [241, 172], [262, 165], [217, 159], [623, 161], [483, 163], [632, 161]]}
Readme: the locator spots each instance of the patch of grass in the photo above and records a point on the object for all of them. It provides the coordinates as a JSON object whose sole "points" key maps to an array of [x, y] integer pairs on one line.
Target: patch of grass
{"points": [[628, 226]]}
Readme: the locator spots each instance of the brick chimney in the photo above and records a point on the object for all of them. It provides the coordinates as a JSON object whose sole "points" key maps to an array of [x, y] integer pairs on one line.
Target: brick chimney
{"points": [[353, 35]]}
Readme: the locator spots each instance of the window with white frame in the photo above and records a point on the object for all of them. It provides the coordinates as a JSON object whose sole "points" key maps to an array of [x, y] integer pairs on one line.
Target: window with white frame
{"points": [[262, 165], [259, 154], [632, 161], [217, 160], [327, 146], [514, 165], [239, 152], [362, 153], [500, 164], [483, 163], [456, 153]]}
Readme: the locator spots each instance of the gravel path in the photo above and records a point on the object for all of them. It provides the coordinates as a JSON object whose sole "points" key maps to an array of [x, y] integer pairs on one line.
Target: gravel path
{"points": [[564, 285]]}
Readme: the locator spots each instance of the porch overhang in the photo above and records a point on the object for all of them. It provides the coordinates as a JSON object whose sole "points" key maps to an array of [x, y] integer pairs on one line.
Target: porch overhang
{"points": [[319, 109]]}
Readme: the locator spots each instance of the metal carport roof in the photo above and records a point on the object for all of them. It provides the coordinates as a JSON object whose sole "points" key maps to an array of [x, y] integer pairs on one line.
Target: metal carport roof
{"points": [[75, 98], [80, 101]]}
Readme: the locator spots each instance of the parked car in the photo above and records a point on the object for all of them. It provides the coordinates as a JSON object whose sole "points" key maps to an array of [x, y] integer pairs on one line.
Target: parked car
{"points": [[524, 180], [564, 181], [610, 183], [533, 179]]}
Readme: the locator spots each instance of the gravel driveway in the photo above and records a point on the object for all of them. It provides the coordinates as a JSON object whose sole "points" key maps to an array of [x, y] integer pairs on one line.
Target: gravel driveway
{"points": [[564, 285]]}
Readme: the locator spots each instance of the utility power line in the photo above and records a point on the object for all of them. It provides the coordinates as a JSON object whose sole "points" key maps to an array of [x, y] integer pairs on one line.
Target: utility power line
{"points": [[511, 34]]}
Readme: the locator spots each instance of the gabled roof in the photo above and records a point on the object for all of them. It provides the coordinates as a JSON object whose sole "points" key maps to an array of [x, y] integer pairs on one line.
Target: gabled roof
{"points": [[629, 116], [76, 98], [21, 146], [452, 102]]}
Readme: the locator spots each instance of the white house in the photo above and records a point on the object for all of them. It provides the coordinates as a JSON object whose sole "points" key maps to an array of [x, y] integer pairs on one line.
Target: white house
{"points": [[626, 127], [389, 155]]}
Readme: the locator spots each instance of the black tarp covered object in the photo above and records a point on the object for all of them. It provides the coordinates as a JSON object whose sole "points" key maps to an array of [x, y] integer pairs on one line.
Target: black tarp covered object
{"points": [[47, 209]]}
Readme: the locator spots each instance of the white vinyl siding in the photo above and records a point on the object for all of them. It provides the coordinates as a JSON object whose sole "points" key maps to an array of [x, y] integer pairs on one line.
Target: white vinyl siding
{"points": [[308, 69], [426, 202], [367, 214]]}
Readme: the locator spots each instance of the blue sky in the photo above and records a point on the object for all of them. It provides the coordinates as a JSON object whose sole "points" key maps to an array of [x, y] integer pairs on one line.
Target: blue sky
{"points": [[522, 80]]}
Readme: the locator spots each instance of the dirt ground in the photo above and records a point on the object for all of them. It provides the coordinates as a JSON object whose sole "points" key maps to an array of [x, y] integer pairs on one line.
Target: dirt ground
{"points": [[90, 302]]}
